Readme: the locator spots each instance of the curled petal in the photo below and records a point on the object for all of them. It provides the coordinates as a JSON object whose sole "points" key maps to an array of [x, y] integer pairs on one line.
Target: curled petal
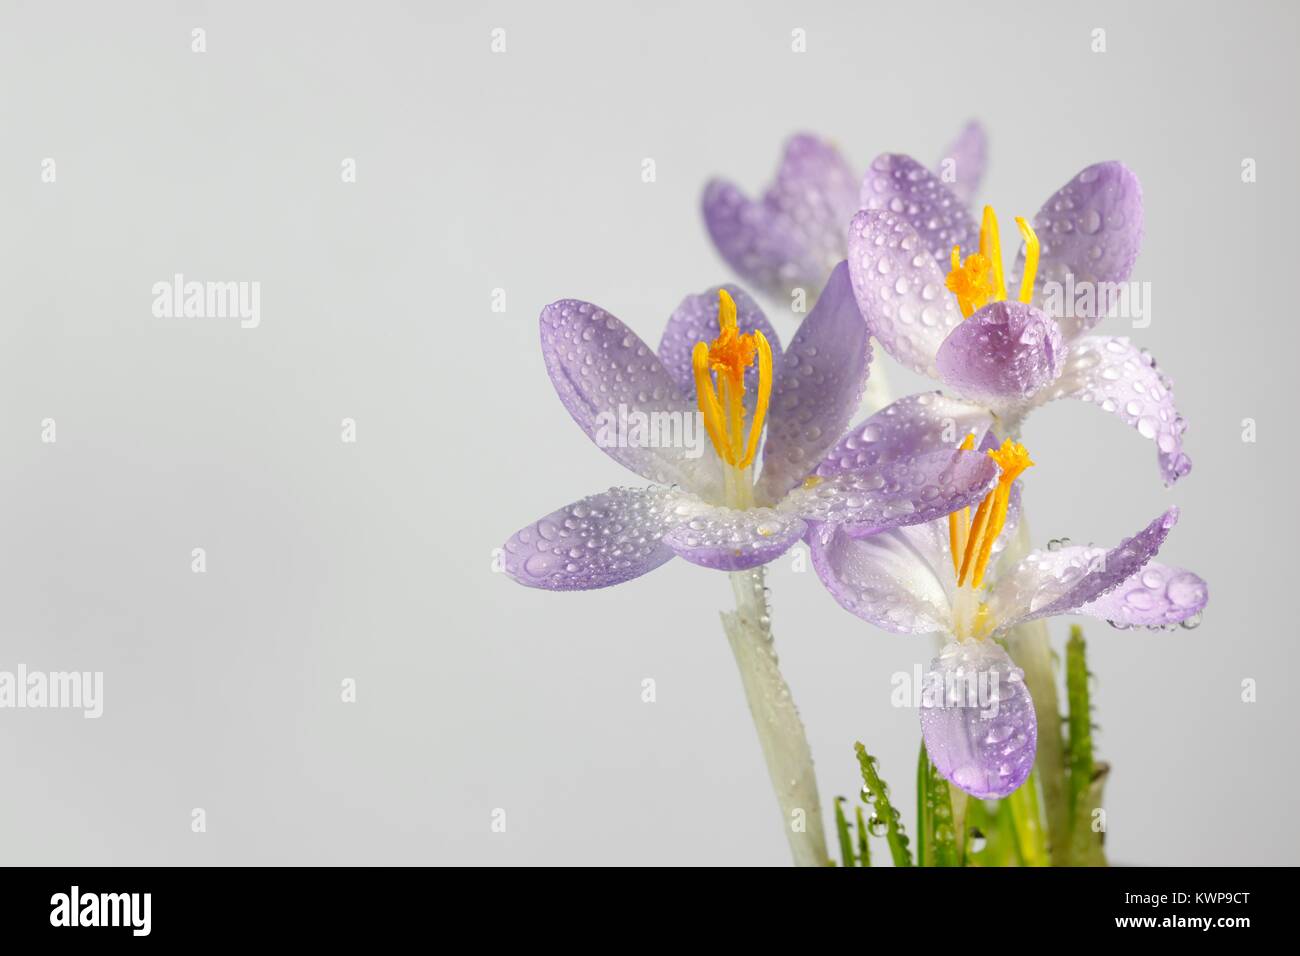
{"points": [[818, 387], [794, 235], [968, 154], [900, 289], [1090, 230], [978, 719], [901, 492], [899, 184], [1046, 583], [1005, 351], [1157, 596], [696, 320], [603, 372], [601, 540], [1122, 379], [729, 539], [926, 421]]}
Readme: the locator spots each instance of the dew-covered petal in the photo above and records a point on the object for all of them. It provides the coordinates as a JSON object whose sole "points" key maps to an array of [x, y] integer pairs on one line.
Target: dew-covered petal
{"points": [[894, 580], [1091, 229], [978, 719], [731, 539], [1157, 596], [793, 236], [601, 540], [899, 184], [696, 320], [968, 154], [926, 421], [900, 492], [1048, 582], [1006, 351], [603, 373], [900, 289], [1122, 379], [818, 387]]}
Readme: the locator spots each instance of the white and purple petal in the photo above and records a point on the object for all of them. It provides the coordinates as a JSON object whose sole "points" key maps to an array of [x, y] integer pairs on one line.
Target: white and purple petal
{"points": [[696, 320], [899, 184], [602, 540], [729, 539], [818, 388], [926, 421], [900, 289], [1157, 596], [1046, 583], [1122, 379], [603, 372], [1005, 352], [793, 236]]}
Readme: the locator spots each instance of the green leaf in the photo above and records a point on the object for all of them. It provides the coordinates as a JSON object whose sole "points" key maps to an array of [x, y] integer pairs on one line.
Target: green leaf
{"points": [[842, 828], [936, 841], [1027, 822], [1084, 782], [884, 814], [991, 836], [864, 848]]}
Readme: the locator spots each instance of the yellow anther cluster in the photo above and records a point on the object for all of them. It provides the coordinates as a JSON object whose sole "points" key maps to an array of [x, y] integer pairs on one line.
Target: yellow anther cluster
{"points": [[971, 540], [719, 369], [979, 280]]}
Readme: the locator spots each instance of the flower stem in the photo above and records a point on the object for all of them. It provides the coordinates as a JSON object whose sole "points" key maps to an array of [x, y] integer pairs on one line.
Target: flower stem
{"points": [[780, 730]]}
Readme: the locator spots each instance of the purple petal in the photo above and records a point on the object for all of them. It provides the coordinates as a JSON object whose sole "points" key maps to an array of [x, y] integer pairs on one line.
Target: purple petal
{"points": [[900, 289], [968, 153], [1006, 350], [899, 184], [905, 491], [794, 235], [696, 320], [602, 371], [893, 580], [1090, 229], [818, 387], [729, 539], [601, 540], [910, 426], [978, 719], [1047, 583], [1157, 596], [1124, 380]]}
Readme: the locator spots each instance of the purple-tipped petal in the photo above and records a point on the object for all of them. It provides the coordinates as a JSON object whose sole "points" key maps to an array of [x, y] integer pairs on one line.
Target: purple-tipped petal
{"points": [[1006, 351], [894, 580], [967, 153], [1091, 229], [902, 492], [1047, 583], [1157, 596], [794, 235], [1122, 379], [900, 289], [696, 320], [818, 387], [899, 184], [602, 372], [919, 423], [978, 719], [728, 539], [601, 540]]}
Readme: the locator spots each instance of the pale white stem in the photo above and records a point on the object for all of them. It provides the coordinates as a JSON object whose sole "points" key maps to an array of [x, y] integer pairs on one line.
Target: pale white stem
{"points": [[780, 729]]}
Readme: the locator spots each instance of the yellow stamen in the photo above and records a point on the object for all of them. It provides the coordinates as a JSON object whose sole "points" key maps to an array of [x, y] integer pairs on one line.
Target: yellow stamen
{"points": [[979, 280], [959, 521], [990, 517], [722, 404]]}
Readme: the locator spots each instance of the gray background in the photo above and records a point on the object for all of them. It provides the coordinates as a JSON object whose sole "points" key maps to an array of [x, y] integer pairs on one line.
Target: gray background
{"points": [[373, 560]]}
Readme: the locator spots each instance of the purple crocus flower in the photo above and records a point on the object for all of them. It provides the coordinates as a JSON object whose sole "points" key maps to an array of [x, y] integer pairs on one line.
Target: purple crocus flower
{"points": [[962, 321], [793, 235], [942, 577], [720, 362]]}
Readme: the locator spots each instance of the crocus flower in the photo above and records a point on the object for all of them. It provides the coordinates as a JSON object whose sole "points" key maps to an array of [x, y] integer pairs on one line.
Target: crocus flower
{"points": [[986, 335], [720, 357], [796, 232], [977, 716]]}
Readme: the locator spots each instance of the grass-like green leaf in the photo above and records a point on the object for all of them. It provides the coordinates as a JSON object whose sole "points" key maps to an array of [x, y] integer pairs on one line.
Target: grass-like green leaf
{"points": [[864, 847], [1084, 783], [884, 815], [936, 840], [846, 839], [1027, 822]]}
